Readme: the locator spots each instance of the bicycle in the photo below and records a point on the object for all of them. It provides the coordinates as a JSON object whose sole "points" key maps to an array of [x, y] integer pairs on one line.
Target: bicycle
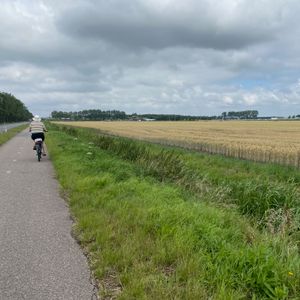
{"points": [[38, 148]]}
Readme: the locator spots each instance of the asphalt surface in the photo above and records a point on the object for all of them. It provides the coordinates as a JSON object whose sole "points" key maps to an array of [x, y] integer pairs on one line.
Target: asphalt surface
{"points": [[5, 127], [39, 259]]}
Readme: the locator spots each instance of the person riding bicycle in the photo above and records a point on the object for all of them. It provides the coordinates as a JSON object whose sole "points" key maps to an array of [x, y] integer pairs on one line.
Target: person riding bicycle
{"points": [[37, 129]]}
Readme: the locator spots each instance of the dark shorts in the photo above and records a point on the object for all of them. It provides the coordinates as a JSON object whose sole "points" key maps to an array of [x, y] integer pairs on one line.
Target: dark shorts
{"points": [[39, 135]]}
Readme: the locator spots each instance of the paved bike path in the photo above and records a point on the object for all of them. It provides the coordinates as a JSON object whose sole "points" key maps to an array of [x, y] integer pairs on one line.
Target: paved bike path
{"points": [[38, 257]]}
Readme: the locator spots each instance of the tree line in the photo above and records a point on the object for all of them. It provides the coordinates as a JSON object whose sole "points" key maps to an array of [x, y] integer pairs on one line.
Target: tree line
{"points": [[12, 109], [172, 117], [245, 114], [100, 115], [91, 114]]}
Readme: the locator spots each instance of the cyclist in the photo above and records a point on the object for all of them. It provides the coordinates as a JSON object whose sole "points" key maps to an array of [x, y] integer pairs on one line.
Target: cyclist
{"points": [[37, 129]]}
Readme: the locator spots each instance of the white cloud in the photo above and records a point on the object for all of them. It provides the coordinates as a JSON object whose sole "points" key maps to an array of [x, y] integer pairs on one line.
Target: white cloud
{"points": [[169, 56], [227, 100], [250, 99]]}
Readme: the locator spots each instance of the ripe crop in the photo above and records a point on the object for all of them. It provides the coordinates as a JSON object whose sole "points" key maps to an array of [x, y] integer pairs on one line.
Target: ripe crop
{"points": [[264, 141]]}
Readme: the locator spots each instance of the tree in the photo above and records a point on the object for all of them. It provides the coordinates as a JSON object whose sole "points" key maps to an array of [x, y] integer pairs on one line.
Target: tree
{"points": [[12, 109], [245, 114]]}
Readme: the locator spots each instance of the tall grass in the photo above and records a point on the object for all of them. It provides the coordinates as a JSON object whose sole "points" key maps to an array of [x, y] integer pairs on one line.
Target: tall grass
{"points": [[255, 192], [150, 239]]}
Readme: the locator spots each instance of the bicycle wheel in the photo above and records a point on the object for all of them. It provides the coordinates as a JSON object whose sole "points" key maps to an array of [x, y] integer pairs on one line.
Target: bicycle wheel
{"points": [[39, 151]]}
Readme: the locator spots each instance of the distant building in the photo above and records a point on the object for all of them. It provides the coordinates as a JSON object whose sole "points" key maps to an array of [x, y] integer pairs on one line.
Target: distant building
{"points": [[148, 120], [277, 118], [231, 118]]}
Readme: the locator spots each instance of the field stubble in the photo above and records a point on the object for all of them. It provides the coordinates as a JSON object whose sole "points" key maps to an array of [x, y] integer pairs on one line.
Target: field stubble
{"points": [[261, 141]]}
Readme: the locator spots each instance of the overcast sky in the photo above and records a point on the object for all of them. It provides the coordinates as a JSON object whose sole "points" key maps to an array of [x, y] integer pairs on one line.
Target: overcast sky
{"points": [[198, 57]]}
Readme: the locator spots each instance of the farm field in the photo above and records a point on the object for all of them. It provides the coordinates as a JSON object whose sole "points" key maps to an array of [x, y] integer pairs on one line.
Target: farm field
{"points": [[166, 223], [264, 141]]}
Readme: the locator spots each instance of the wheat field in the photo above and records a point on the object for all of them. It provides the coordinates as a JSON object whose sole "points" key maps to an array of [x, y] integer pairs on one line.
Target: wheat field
{"points": [[265, 141]]}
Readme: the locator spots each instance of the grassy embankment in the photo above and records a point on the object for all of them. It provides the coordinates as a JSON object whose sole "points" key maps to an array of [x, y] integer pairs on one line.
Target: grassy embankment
{"points": [[161, 223], [5, 136]]}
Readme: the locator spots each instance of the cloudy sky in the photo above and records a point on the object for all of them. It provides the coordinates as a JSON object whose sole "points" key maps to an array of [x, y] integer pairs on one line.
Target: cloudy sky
{"points": [[198, 57]]}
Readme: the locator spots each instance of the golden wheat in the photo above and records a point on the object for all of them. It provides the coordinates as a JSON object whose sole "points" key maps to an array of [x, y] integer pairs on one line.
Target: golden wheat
{"points": [[267, 141]]}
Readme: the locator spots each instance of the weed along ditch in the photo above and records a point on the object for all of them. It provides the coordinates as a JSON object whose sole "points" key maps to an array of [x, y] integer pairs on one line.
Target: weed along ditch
{"points": [[162, 222]]}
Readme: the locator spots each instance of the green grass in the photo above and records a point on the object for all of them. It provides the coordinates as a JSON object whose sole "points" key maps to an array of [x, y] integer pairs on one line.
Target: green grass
{"points": [[5, 136], [150, 235], [259, 191]]}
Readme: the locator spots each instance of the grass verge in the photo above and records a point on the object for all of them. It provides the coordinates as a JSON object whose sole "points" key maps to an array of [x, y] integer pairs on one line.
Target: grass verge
{"points": [[268, 194], [5, 136], [148, 238]]}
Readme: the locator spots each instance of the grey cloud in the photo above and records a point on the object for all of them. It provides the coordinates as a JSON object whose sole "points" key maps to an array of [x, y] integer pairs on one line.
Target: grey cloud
{"points": [[151, 56], [139, 26]]}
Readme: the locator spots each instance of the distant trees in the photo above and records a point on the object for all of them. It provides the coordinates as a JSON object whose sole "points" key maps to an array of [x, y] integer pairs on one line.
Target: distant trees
{"points": [[12, 109], [245, 114], [171, 117], [99, 115], [91, 114]]}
